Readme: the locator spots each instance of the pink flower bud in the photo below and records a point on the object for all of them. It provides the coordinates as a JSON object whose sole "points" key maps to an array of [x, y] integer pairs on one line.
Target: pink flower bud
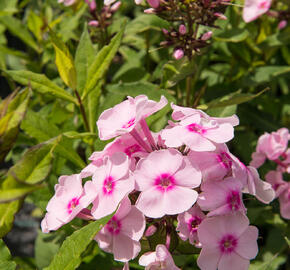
{"points": [[165, 31], [182, 29], [282, 24], [116, 6], [94, 23], [150, 231], [178, 54], [92, 4], [154, 3], [220, 16], [206, 36], [149, 11]]}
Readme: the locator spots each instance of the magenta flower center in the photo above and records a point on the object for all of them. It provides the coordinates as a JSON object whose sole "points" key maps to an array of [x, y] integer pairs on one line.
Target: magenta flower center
{"points": [[108, 185], [196, 128], [130, 123], [228, 244], [225, 160], [164, 182], [193, 223], [114, 226], [132, 149], [264, 5], [233, 200], [72, 204]]}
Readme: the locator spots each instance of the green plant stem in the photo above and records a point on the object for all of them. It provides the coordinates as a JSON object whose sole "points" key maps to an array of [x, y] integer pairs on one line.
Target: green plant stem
{"points": [[188, 88], [82, 109]]}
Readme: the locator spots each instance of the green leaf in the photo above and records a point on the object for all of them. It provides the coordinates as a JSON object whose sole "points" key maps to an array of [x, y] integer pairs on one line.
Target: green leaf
{"points": [[64, 61], [231, 99], [7, 212], [76, 135], [102, 62], [40, 83], [18, 29], [233, 35], [8, 7], [266, 74], [35, 25], [4, 252], [69, 254], [83, 59], [92, 106], [12, 111]]}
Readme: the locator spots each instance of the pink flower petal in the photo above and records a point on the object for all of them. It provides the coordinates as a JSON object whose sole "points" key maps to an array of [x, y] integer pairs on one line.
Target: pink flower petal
{"points": [[247, 244], [208, 258], [227, 262]]}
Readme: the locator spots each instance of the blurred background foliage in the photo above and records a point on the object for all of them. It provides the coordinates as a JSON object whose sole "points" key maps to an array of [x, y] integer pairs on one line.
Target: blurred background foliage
{"points": [[58, 74]]}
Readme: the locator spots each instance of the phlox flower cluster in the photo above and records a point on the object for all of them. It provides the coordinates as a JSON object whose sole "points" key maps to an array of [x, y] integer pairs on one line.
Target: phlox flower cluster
{"points": [[183, 174], [274, 148]]}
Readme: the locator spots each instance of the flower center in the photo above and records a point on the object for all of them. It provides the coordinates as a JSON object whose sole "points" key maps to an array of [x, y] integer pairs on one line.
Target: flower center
{"points": [[193, 223], [264, 5], [225, 160], [233, 200], [228, 243], [108, 185], [132, 149], [72, 204], [196, 128], [114, 226], [130, 123], [164, 182]]}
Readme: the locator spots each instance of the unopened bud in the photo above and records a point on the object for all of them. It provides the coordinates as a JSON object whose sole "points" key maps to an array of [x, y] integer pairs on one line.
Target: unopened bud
{"points": [[220, 16], [182, 29], [94, 23], [206, 36], [165, 31], [149, 11], [116, 6], [282, 24], [154, 3], [178, 54], [150, 231], [92, 4]]}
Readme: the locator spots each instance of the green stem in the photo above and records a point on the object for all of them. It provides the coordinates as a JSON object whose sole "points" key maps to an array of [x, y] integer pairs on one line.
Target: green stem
{"points": [[82, 109]]}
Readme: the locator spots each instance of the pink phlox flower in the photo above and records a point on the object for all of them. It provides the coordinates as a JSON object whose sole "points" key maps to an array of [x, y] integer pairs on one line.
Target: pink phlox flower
{"points": [[113, 182], [125, 144], [188, 223], [228, 242], [159, 259], [69, 200], [257, 187], [221, 197], [197, 130], [216, 165], [165, 179], [284, 200], [124, 117], [275, 178], [154, 3], [284, 162], [122, 233], [255, 8], [270, 146]]}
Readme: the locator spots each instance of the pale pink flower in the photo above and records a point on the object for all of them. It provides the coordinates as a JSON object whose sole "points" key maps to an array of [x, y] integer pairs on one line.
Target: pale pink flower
{"points": [[221, 197], [166, 179], [275, 178], [113, 183], [94, 23], [197, 130], [206, 36], [188, 223], [284, 162], [159, 259], [92, 4], [262, 190], [125, 143], [124, 117], [255, 8], [284, 200], [122, 233], [182, 29], [228, 242], [216, 165], [270, 146], [282, 24], [154, 3], [69, 200]]}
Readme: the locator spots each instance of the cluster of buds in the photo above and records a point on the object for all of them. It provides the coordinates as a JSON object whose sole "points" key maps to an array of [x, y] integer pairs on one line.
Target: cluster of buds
{"points": [[186, 16], [183, 181], [273, 147]]}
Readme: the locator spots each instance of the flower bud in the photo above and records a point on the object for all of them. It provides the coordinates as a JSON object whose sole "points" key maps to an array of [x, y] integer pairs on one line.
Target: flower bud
{"points": [[206, 36], [149, 11], [94, 23], [282, 24], [220, 16], [178, 54], [165, 31], [116, 6], [150, 231], [154, 3], [92, 4], [182, 29]]}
